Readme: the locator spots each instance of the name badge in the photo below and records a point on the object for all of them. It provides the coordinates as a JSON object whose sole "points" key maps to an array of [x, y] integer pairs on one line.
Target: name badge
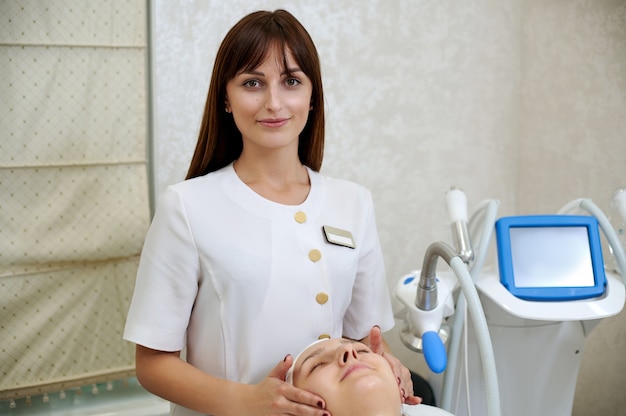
{"points": [[339, 237]]}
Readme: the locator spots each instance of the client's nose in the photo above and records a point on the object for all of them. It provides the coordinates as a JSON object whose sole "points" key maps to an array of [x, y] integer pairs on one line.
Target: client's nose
{"points": [[348, 352]]}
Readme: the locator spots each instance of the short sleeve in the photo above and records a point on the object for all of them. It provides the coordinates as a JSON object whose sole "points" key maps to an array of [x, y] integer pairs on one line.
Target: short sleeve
{"points": [[167, 280]]}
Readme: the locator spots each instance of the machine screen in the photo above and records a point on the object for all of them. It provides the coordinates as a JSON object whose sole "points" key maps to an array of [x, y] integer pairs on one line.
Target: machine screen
{"points": [[550, 257]]}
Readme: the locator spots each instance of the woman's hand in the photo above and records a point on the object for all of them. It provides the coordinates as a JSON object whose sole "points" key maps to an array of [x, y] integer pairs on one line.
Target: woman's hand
{"points": [[403, 375], [273, 396], [166, 375]]}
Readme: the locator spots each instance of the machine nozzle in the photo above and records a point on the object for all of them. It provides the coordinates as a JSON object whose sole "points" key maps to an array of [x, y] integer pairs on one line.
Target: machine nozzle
{"points": [[426, 296], [456, 202]]}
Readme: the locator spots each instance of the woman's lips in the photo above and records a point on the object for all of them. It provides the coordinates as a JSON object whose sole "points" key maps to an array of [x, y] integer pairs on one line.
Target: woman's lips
{"points": [[353, 368], [273, 122]]}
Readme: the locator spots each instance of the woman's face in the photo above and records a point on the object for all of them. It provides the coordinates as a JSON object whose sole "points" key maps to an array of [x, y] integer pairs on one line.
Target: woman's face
{"points": [[271, 103], [346, 374]]}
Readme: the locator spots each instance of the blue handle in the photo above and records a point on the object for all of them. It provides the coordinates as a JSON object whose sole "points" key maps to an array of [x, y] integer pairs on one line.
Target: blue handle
{"points": [[434, 351]]}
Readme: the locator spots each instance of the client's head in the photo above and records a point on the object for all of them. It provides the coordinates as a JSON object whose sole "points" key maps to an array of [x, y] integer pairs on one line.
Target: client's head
{"points": [[349, 376]]}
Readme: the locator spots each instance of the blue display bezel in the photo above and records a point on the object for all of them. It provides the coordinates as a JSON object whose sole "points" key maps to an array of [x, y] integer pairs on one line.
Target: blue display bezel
{"points": [[551, 293]]}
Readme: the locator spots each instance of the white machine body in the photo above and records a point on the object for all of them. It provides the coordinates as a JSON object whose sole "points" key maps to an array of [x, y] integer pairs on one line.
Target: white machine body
{"points": [[531, 313], [538, 348]]}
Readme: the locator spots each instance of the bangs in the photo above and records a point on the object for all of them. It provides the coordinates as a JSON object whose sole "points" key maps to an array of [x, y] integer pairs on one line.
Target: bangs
{"points": [[271, 36], [264, 34], [263, 49]]}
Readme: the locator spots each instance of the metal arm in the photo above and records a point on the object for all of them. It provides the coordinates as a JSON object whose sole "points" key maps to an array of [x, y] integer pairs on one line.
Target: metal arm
{"points": [[426, 295]]}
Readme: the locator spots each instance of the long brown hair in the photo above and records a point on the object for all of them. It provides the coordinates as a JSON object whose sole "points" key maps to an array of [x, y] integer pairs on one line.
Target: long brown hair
{"points": [[244, 48]]}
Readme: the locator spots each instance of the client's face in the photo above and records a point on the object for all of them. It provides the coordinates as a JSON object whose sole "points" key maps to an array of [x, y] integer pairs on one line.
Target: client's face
{"points": [[347, 375]]}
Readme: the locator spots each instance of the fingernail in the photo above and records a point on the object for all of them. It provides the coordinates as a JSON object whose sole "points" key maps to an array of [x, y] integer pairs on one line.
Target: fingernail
{"points": [[286, 356], [377, 326]]}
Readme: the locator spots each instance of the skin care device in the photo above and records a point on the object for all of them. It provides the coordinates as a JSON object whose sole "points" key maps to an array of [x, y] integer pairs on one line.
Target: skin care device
{"points": [[540, 300]]}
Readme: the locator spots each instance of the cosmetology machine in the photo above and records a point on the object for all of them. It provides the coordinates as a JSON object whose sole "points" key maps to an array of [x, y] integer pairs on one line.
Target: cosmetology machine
{"points": [[529, 314]]}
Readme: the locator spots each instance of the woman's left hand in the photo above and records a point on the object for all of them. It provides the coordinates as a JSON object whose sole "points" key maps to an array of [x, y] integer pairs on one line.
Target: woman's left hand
{"points": [[403, 375]]}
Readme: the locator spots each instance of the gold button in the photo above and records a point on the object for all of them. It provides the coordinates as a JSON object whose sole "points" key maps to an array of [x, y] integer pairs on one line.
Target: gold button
{"points": [[315, 255], [300, 217], [323, 336], [321, 298]]}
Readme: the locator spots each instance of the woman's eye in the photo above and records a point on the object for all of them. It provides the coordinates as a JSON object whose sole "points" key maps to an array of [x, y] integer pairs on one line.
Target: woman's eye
{"points": [[252, 83], [292, 82]]}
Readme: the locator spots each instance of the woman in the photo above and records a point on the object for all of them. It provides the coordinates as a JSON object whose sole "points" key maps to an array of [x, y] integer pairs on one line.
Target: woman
{"points": [[352, 380], [256, 254]]}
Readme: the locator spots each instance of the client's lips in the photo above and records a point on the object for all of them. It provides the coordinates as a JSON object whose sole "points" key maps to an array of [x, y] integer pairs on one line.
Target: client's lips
{"points": [[353, 368], [273, 122]]}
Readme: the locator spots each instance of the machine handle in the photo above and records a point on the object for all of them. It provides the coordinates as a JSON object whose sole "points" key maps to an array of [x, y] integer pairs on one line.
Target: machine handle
{"points": [[434, 351]]}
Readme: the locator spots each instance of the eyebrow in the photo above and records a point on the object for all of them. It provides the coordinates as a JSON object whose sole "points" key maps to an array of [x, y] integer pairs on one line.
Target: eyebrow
{"points": [[287, 71]]}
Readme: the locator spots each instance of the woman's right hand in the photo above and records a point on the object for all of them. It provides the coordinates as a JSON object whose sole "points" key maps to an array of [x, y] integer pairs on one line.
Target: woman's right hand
{"points": [[273, 396]]}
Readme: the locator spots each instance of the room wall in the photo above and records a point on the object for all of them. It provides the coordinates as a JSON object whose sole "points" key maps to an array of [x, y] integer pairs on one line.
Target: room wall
{"points": [[573, 144], [505, 100]]}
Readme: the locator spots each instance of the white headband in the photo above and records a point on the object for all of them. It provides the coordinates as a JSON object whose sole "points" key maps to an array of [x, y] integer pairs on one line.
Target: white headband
{"points": [[289, 376]]}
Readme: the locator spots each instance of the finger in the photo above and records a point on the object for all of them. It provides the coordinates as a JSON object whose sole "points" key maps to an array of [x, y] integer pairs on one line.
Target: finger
{"points": [[413, 400], [304, 397], [403, 376], [293, 402], [376, 340], [406, 381], [280, 371]]}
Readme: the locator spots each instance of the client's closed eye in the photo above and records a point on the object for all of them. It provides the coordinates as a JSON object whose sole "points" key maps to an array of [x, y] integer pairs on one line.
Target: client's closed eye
{"points": [[316, 366]]}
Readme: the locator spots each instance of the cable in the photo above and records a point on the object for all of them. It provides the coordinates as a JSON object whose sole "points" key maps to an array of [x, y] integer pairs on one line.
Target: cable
{"points": [[485, 348], [609, 232], [468, 400], [487, 212]]}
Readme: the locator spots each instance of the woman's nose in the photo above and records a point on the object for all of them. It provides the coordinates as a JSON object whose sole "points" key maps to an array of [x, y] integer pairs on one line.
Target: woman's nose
{"points": [[273, 100]]}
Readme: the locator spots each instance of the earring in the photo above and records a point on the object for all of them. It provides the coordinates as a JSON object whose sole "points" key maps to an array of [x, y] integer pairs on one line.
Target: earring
{"points": [[227, 109]]}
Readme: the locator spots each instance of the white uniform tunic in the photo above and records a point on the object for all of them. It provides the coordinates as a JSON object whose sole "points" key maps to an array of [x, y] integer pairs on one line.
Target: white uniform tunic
{"points": [[241, 281]]}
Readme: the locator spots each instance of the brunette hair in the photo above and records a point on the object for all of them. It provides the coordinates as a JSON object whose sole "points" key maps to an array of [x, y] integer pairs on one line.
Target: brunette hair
{"points": [[245, 47]]}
